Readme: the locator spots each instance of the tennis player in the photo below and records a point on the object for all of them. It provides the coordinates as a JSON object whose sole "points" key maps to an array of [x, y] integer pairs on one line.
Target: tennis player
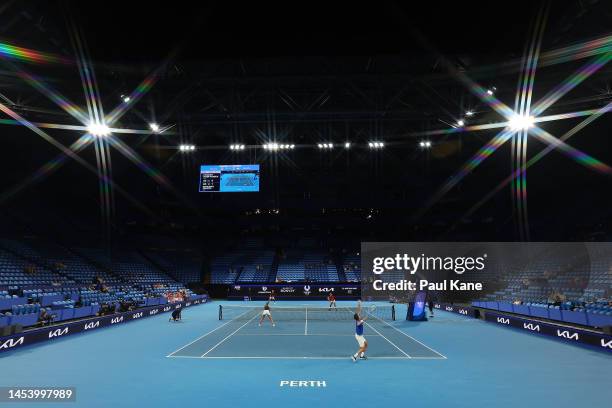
{"points": [[363, 344], [331, 298], [272, 297], [266, 313]]}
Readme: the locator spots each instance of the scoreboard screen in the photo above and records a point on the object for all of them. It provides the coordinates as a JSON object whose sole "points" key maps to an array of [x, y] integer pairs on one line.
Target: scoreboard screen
{"points": [[234, 178]]}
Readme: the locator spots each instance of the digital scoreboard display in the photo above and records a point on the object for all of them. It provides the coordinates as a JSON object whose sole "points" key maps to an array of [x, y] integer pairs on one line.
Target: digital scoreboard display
{"points": [[233, 178]]}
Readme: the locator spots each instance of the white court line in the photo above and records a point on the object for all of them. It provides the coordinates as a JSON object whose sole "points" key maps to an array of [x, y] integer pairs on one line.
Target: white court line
{"points": [[284, 358], [300, 334], [230, 335], [410, 337], [201, 337], [390, 342]]}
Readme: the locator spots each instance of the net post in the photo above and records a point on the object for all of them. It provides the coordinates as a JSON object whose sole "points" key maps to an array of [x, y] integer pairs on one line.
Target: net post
{"points": [[220, 312]]}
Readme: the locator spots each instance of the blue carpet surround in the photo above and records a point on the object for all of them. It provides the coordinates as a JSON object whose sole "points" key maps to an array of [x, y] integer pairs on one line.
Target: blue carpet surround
{"points": [[449, 360]]}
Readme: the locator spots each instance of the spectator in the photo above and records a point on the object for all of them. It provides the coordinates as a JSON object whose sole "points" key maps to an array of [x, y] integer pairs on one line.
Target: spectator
{"points": [[44, 318]]}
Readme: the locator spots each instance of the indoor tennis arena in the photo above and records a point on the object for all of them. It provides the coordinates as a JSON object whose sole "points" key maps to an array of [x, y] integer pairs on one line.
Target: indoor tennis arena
{"points": [[273, 204]]}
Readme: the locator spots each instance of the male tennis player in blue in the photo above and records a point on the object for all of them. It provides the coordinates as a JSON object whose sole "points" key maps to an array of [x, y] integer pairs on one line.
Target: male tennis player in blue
{"points": [[363, 344]]}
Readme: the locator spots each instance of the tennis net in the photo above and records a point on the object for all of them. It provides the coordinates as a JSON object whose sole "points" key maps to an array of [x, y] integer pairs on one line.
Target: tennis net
{"points": [[235, 312]]}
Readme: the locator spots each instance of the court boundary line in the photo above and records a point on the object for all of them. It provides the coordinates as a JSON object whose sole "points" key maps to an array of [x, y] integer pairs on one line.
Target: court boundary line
{"points": [[300, 334], [230, 335], [410, 337], [298, 358], [390, 342], [206, 334]]}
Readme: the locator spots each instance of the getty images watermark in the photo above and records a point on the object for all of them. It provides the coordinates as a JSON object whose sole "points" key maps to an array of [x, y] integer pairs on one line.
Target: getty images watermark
{"points": [[463, 271]]}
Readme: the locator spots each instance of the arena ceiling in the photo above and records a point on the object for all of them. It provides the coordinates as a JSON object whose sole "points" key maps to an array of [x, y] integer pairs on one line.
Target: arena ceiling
{"points": [[221, 73]]}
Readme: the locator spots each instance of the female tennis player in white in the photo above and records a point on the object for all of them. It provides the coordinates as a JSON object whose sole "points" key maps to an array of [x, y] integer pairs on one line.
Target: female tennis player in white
{"points": [[266, 313]]}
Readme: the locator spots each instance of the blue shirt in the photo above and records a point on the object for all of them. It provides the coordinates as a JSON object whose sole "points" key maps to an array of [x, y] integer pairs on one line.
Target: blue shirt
{"points": [[359, 327]]}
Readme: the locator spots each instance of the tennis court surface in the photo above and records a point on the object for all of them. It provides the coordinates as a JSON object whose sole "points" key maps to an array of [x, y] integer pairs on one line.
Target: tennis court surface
{"points": [[303, 332]]}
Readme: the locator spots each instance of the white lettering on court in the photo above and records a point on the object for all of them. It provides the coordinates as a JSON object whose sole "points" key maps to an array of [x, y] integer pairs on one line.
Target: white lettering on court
{"points": [[302, 384]]}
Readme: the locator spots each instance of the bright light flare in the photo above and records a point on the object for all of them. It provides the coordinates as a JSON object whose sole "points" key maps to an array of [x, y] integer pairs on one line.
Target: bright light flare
{"points": [[98, 129], [521, 122]]}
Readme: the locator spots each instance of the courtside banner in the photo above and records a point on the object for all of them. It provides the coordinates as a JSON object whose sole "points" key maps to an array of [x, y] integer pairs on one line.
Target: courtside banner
{"points": [[459, 272], [50, 333], [462, 310], [295, 291], [567, 334]]}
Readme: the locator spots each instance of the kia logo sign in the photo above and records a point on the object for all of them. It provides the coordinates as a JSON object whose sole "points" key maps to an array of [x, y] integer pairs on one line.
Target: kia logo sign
{"points": [[10, 343], [605, 344], [58, 332], [531, 326], [503, 320], [167, 308], [91, 325], [153, 312], [449, 309], [137, 315], [463, 312], [567, 335], [115, 320]]}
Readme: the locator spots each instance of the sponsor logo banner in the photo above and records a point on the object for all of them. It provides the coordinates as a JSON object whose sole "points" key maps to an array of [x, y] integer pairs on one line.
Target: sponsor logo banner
{"points": [[44, 334], [297, 291], [576, 336]]}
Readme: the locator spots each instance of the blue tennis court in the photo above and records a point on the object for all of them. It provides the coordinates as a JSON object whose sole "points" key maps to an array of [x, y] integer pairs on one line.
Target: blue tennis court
{"points": [[306, 332], [206, 361]]}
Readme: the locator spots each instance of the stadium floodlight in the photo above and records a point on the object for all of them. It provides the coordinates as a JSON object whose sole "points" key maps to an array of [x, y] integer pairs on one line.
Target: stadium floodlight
{"points": [[98, 129], [469, 113], [376, 145], [425, 144], [271, 146], [521, 122], [154, 127], [460, 122], [292, 146], [347, 145], [125, 98], [187, 148], [320, 146], [489, 91]]}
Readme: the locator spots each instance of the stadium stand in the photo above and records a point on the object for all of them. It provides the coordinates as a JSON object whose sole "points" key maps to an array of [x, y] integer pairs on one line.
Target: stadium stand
{"points": [[42, 282], [352, 268], [311, 266], [244, 265], [185, 267]]}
